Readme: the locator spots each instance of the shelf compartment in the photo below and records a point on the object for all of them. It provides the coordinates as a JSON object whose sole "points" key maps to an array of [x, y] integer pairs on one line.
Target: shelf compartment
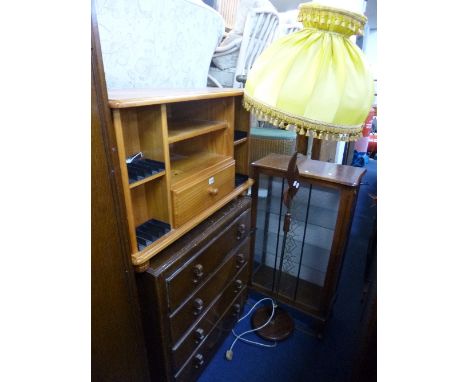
{"points": [[239, 137], [187, 167], [182, 130], [150, 231], [149, 202], [142, 257], [240, 179], [142, 170], [240, 141], [148, 179]]}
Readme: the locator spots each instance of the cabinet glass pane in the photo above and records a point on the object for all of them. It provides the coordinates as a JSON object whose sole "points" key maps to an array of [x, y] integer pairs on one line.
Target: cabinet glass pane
{"points": [[308, 243]]}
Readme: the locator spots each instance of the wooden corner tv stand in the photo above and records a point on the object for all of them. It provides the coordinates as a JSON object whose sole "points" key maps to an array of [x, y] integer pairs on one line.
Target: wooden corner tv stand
{"points": [[183, 155]]}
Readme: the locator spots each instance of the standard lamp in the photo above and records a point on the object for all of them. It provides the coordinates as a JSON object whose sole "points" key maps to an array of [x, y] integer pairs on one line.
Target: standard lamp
{"points": [[317, 82]]}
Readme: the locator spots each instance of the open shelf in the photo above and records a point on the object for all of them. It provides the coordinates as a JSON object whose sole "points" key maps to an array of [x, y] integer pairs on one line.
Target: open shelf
{"points": [[150, 231], [148, 179], [190, 166], [240, 179], [143, 170], [239, 137], [186, 129], [139, 258], [239, 141]]}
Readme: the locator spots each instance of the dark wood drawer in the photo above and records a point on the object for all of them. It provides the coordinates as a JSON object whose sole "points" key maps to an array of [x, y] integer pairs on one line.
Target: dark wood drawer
{"points": [[182, 319], [188, 278], [208, 346], [194, 337], [167, 292]]}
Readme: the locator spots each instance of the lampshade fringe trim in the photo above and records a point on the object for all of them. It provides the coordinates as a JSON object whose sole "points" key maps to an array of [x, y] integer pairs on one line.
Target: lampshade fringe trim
{"points": [[301, 125], [332, 19]]}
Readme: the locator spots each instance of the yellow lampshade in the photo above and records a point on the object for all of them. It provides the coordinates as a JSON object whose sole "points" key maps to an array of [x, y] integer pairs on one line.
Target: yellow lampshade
{"points": [[315, 80]]}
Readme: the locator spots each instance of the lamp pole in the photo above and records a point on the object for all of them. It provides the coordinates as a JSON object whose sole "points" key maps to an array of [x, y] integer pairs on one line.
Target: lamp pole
{"points": [[282, 325]]}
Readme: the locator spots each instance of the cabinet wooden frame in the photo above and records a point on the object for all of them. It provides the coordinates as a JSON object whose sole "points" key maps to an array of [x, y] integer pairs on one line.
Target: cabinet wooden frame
{"points": [[346, 180], [191, 132]]}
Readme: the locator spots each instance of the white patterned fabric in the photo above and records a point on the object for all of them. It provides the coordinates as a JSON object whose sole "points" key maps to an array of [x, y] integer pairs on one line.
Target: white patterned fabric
{"points": [[157, 43]]}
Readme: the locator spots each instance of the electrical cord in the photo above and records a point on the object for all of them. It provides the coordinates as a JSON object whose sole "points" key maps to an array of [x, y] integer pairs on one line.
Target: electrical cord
{"points": [[230, 353], [130, 159]]}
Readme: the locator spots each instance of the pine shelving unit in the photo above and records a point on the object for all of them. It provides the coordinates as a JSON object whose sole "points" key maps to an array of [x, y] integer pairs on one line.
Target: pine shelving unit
{"points": [[191, 150]]}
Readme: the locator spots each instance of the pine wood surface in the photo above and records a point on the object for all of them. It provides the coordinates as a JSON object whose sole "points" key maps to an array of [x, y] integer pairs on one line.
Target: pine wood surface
{"points": [[123, 98], [182, 130], [242, 146], [145, 255], [148, 179], [192, 132], [193, 198], [239, 141], [193, 167]]}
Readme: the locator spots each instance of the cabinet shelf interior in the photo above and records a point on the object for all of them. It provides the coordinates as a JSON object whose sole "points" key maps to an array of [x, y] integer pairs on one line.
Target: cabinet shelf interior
{"points": [[239, 135], [150, 231], [187, 129], [142, 170]]}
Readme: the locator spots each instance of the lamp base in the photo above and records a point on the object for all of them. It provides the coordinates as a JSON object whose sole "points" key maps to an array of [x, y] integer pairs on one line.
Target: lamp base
{"points": [[280, 327]]}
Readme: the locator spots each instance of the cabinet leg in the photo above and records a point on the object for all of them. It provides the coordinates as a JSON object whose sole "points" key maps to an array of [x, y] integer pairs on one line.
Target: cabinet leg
{"points": [[319, 330], [320, 326]]}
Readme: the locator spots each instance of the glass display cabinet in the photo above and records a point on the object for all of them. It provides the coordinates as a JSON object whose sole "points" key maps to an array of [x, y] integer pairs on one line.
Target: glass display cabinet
{"points": [[322, 213]]}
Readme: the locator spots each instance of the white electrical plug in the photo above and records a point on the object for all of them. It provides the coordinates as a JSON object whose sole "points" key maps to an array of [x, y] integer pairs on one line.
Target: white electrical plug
{"points": [[230, 353]]}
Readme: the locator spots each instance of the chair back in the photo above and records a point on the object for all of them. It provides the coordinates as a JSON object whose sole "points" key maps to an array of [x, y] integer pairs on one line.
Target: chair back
{"points": [[228, 9], [260, 29], [291, 28]]}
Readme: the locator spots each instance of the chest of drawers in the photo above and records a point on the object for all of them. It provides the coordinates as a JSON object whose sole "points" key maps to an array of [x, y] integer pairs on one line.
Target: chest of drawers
{"points": [[193, 293]]}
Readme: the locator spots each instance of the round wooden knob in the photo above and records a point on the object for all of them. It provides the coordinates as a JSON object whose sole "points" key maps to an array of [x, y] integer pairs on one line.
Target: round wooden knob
{"points": [[197, 272], [213, 191], [240, 231], [199, 334], [198, 360], [236, 309], [197, 306], [240, 259]]}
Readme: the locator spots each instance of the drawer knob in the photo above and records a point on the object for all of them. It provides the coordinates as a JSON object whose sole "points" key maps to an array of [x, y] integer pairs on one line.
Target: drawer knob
{"points": [[236, 309], [237, 285], [213, 191], [240, 259], [240, 231], [197, 272], [198, 360], [198, 306], [199, 334]]}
